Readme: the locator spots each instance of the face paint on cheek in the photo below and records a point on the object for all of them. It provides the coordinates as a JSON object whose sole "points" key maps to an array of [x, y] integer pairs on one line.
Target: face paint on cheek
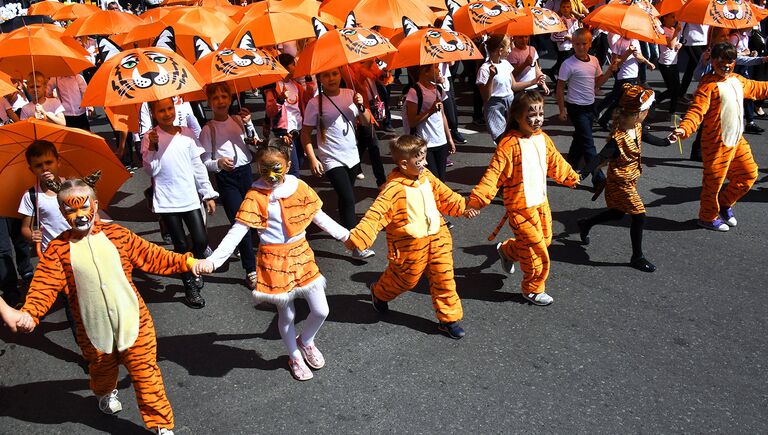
{"points": [[78, 212], [273, 172]]}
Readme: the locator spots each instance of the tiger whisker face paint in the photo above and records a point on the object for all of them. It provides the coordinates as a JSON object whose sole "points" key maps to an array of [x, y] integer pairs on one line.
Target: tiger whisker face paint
{"points": [[79, 211], [272, 172]]}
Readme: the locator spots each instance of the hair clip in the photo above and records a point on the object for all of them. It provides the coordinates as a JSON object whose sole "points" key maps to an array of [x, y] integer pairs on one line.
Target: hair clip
{"points": [[92, 179]]}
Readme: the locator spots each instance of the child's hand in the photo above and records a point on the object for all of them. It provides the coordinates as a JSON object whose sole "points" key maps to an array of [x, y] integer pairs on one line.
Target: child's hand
{"points": [[541, 80], [202, 267], [226, 164], [359, 101], [37, 236], [9, 316], [316, 167], [153, 139], [25, 322], [676, 134], [545, 88], [563, 116], [210, 206], [471, 213], [349, 244]]}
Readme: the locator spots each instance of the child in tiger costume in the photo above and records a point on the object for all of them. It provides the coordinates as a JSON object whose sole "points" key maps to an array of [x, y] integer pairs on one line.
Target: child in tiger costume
{"points": [[410, 208], [718, 107], [280, 207], [523, 159], [623, 152], [92, 264]]}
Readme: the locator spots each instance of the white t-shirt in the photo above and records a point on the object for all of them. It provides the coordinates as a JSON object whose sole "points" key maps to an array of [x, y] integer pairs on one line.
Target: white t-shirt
{"points": [[5, 106], [293, 111], [176, 171], [563, 44], [668, 56], [580, 76], [51, 104], [431, 129], [229, 143], [52, 222], [502, 81], [70, 91], [629, 69], [184, 118], [445, 72], [340, 145], [19, 101], [517, 56], [695, 34]]}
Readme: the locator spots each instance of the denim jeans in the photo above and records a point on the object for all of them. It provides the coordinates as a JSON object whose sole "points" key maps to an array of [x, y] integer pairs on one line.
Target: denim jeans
{"points": [[583, 144], [232, 187]]}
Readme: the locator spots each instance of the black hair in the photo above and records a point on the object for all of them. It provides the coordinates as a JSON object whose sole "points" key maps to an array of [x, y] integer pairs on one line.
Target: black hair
{"points": [[723, 50], [285, 59], [39, 148]]}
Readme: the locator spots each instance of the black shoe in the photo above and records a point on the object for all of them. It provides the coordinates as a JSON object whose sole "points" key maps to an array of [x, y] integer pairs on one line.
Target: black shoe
{"points": [[453, 330], [753, 128], [449, 225], [583, 231], [167, 239], [192, 294], [199, 283], [642, 264], [459, 138], [380, 306]]}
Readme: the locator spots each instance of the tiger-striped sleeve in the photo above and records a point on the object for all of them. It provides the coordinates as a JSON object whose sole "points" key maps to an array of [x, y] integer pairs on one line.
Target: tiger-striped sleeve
{"points": [[557, 168], [695, 114], [147, 256], [447, 201], [754, 89], [499, 169], [48, 281], [378, 216]]}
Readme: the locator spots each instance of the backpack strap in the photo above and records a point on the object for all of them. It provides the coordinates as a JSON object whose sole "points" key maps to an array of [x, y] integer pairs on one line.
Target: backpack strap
{"points": [[35, 212]]}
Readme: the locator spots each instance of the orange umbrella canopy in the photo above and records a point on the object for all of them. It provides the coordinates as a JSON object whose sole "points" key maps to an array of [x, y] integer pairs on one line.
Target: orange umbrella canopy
{"points": [[338, 47], [104, 23], [480, 17], [143, 36], [629, 19], [535, 21], [38, 51], [48, 7], [140, 75], [74, 11], [384, 13], [209, 22], [6, 86], [80, 153], [428, 46], [736, 14], [272, 28]]}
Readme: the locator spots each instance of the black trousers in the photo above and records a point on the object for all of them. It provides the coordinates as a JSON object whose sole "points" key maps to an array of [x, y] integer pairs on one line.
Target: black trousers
{"points": [[343, 179]]}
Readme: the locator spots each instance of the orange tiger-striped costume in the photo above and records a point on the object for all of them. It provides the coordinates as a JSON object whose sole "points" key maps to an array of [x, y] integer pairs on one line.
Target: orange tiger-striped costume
{"points": [[521, 166], [119, 329], [624, 169], [417, 238], [718, 104]]}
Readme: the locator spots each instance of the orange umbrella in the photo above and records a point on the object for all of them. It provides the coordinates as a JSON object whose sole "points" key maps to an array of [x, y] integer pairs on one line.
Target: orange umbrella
{"points": [[74, 11], [481, 17], [628, 19], [308, 8], [104, 23], [428, 46], [140, 75], [221, 5], [271, 29], [48, 8], [156, 14], [52, 56], [644, 4], [338, 47], [80, 152], [208, 22], [384, 13], [45, 31], [6, 86], [167, 3], [535, 22], [144, 36], [727, 14]]}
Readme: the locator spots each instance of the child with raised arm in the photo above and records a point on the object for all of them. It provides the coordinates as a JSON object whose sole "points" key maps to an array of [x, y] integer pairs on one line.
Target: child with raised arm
{"points": [[523, 159], [91, 264], [280, 207], [42, 107], [410, 209]]}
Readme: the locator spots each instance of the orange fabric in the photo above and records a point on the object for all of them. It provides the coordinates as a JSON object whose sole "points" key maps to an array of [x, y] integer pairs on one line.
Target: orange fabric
{"points": [[104, 22], [339, 47], [424, 47], [719, 161], [536, 21], [623, 173], [533, 234], [54, 275], [283, 267], [480, 20], [298, 209]]}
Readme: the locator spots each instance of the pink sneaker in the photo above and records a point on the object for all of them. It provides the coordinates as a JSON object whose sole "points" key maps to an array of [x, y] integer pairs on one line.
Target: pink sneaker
{"points": [[311, 354], [299, 370]]}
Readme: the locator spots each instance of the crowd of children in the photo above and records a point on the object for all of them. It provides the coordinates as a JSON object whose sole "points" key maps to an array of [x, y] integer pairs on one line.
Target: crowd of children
{"points": [[330, 130]]}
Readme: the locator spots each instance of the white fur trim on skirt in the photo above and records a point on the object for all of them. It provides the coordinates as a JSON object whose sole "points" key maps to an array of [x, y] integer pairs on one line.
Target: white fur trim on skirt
{"points": [[282, 299]]}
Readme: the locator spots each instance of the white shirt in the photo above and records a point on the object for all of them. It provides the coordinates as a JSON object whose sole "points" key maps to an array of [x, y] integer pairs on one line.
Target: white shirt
{"points": [[19, 101], [695, 34], [275, 231], [431, 129], [229, 144], [69, 90], [502, 81], [668, 56], [5, 106], [445, 72], [629, 69], [177, 172], [51, 104], [184, 118], [518, 56], [52, 222], [340, 145], [580, 76], [571, 24], [291, 106]]}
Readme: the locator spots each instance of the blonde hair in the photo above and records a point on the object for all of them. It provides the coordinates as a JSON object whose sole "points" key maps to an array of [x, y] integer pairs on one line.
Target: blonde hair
{"points": [[406, 146]]}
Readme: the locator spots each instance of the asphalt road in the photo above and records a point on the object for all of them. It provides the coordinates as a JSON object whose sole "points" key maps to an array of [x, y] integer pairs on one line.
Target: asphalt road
{"points": [[681, 350]]}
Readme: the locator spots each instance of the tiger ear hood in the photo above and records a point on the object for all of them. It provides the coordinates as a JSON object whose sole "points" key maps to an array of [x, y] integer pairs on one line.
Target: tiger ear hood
{"points": [[409, 26]]}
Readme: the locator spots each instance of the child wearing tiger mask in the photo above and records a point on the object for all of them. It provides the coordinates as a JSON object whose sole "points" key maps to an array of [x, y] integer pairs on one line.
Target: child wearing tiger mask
{"points": [[523, 159], [92, 263], [623, 152], [410, 208], [718, 107], [280, 207]]}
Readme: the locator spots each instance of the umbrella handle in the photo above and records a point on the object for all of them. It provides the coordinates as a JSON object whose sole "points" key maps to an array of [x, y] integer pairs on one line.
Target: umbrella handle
{"points": [[39, 250]]}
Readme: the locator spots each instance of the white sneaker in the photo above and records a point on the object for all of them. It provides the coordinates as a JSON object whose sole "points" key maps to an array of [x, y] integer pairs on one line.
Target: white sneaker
{"points": [[539, 298], [108, 403], [360, 176], [163, 431], [507, 265], [365, 253]]}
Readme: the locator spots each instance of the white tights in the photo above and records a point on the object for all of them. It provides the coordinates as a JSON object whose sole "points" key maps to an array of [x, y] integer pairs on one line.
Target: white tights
{"points": [[318, 311]]}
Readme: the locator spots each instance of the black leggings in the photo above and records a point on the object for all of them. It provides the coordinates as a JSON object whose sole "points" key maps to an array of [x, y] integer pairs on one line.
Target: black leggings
{"points": [[635, 229], [437, 158], [342, 179], [174, 224], [367, 140]]}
